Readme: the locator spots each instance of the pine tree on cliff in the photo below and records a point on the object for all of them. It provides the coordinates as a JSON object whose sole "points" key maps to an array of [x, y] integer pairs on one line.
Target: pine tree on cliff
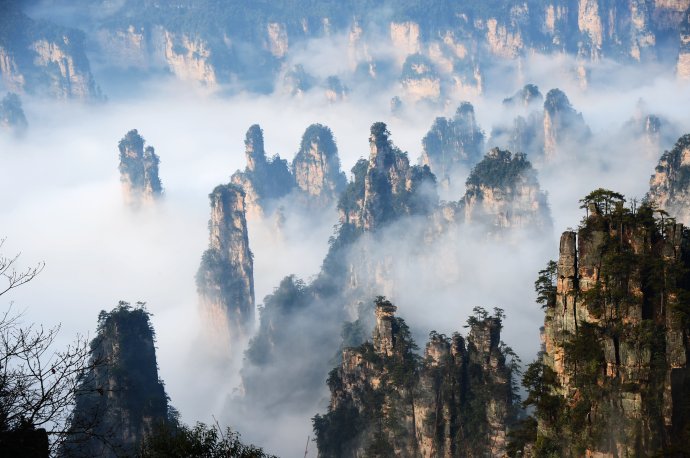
{"points": [[614, 378], [387, 401]]}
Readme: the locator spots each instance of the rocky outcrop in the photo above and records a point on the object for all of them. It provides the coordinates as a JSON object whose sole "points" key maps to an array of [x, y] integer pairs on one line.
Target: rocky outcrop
{"points": [[249, 48], [503, 193], [43, 58], [650, 132], [263, 180], [297, 81], [669, 187], [540, 133], [683, 65], [384, 190], [563, 125], [12, 116], [614, 378], [526, 135], [386, 186], [316, 168], [138, 171], [527, 97], [121, 399], [453, 143], [225, 280], [419, 79], [386, 401], [336, 91]]}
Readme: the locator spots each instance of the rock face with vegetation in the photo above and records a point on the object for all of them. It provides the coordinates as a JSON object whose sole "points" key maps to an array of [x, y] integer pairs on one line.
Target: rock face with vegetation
{"points": [[453, 142], [437, 52], [123, 400], [562, 124], [316, 168], [12, 116], [138, 171], [419, 79], [43, 58], [683, 65], [652, 133], [670, 184], [503, 193], [540, 133], [386, 400], [437, 49], [527, 97], [263, 180], [386, 187], [613, 379], [225, 280]]}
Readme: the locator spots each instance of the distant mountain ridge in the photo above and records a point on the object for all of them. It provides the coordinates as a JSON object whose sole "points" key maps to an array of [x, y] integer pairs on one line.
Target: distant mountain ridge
{"points": [[433, 48]]}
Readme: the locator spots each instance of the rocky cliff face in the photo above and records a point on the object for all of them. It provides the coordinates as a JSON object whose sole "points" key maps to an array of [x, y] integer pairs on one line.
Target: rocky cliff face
{"points": [[683, 66], [503, 193], [263, 180], [453, 142], [138, 171], [419, 79], [225, 280], [527, 97], [614, 373], [650, 132], [316, 168], [386, 187], [540, 132], [439, 51], [121, 400], [12, 116], [387, 401], [562, 124], [43, 58], [669, 187]]}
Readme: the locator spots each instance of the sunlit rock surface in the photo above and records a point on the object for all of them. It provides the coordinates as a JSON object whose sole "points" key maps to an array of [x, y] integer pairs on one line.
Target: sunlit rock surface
{"points": [[43, 58], [316, 168], [670, 184], [503, 193], [385, 399], [615, 359], [263, 180], [225, 279], [138, 171]]}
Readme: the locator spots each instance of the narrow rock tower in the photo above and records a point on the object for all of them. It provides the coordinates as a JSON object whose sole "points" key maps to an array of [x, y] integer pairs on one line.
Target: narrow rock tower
{"points": [[138, 171], [316, 168], [121, 399], [225, 280]]}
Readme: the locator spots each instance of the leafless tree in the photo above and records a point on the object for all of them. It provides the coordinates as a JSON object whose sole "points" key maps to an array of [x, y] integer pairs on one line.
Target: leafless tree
{"points": [[38, 384], [13, 277]]}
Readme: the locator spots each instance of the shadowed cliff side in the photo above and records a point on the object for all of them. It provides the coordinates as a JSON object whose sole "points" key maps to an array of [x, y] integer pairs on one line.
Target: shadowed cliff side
{"points": [[613, 377], [225, 280], [386, 400], [123, 400]]}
